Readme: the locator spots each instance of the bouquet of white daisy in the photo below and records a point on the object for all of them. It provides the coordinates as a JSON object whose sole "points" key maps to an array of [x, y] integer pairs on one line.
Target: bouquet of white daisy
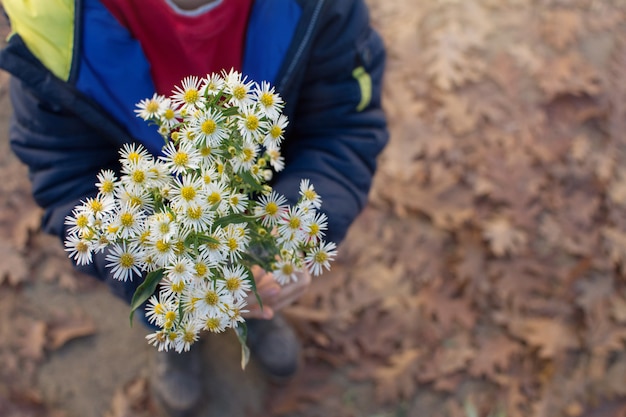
{"points": [[197, 218]]}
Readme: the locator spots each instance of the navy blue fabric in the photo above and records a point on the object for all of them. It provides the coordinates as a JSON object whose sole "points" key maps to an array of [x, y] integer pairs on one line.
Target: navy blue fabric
{"points": [[271, 27], [118, 88]]}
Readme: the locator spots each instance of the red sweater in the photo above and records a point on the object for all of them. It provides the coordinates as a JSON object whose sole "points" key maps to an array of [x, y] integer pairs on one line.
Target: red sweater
{"points": [[181, 44]]}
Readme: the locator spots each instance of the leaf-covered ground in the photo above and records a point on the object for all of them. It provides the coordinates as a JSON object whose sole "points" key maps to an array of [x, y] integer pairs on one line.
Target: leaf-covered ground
{"points": [[485, 278]]}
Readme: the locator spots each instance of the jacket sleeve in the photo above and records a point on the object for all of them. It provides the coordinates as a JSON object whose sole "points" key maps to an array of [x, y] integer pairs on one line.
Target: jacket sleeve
{"points": [[337, 131]]}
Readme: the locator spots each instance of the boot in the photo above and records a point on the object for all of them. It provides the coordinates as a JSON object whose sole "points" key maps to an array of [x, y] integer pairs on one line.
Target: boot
{"points": [[176, 380], [275, 347]]}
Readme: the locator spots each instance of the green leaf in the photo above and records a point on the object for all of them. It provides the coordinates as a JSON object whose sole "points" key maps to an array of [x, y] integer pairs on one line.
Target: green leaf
{"points": [[232, 218], [144, 291], [251, 181], [242, 335]]}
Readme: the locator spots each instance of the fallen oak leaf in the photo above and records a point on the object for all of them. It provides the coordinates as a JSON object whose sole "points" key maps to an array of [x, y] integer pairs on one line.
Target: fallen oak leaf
{"points": [[62, 331], [503, 238], [13, 268]]}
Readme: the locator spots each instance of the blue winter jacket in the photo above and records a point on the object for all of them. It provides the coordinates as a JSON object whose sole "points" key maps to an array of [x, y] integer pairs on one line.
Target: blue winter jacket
{"points": [[77, 75]]}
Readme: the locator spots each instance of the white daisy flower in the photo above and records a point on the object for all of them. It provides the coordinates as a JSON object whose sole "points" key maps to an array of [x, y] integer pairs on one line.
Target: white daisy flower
{"points": [[307, 191], [157, 308], [236, 240], [270, 208], [234, 281], [285, 271], [80, 221], [188, 333], [239, 89], [162, 226], [187, 96], [216, 323], [268, 101], [137, 175], [180, 269], [79, 249], [276, 159], [98, 207], [215, 250], [251, 124], [132, 153], [216, 196], [237, 202], [124, 261], [197, 217], [212, 85], [160, 339], [320, 257], [107, 182], [178, 160], [151, 108], [187, 191], [208, 129], [211, 299], [315, 227], [246, 158], [292, 222], [170, 116], [234, 312], [129, 219], [275, 132]]}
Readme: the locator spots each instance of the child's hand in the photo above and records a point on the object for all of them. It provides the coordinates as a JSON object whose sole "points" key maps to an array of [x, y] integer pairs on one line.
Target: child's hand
{"points": [[274, 296]]}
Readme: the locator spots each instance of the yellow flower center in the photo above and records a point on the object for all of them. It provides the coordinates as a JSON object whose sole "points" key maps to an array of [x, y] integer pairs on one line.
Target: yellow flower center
{"points": [[170, 316], [294, 222], [194, 213], [188, 192], [267, 99], [134, 157], [169, 114], [96, 205], [127, 260], [310, 195], [181, 159], [248, 154], [321, 257], [152, 106], [127, 219], [252, 122], [314, 229], [178, 287], [205, 151], [191, 96], [211, 298], [107, 187], [208, 127], [159, 308], [233, 284], [82, 247], [239, 92], [271, 208], [162, 246], [201, 269], [276, 131], [82, 221], [139, 176], [213, 324], [287, 269], [214, 197], [232, 244]]}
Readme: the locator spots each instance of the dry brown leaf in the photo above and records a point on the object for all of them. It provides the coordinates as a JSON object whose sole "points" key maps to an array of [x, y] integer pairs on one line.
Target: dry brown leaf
{"points": [[493, 355], [448, 56], [397, 381], [503, 238], [62, 330], [561, 27], [133, 400], [569, 75], [33, 340], [13, 268], [551, 336]]}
